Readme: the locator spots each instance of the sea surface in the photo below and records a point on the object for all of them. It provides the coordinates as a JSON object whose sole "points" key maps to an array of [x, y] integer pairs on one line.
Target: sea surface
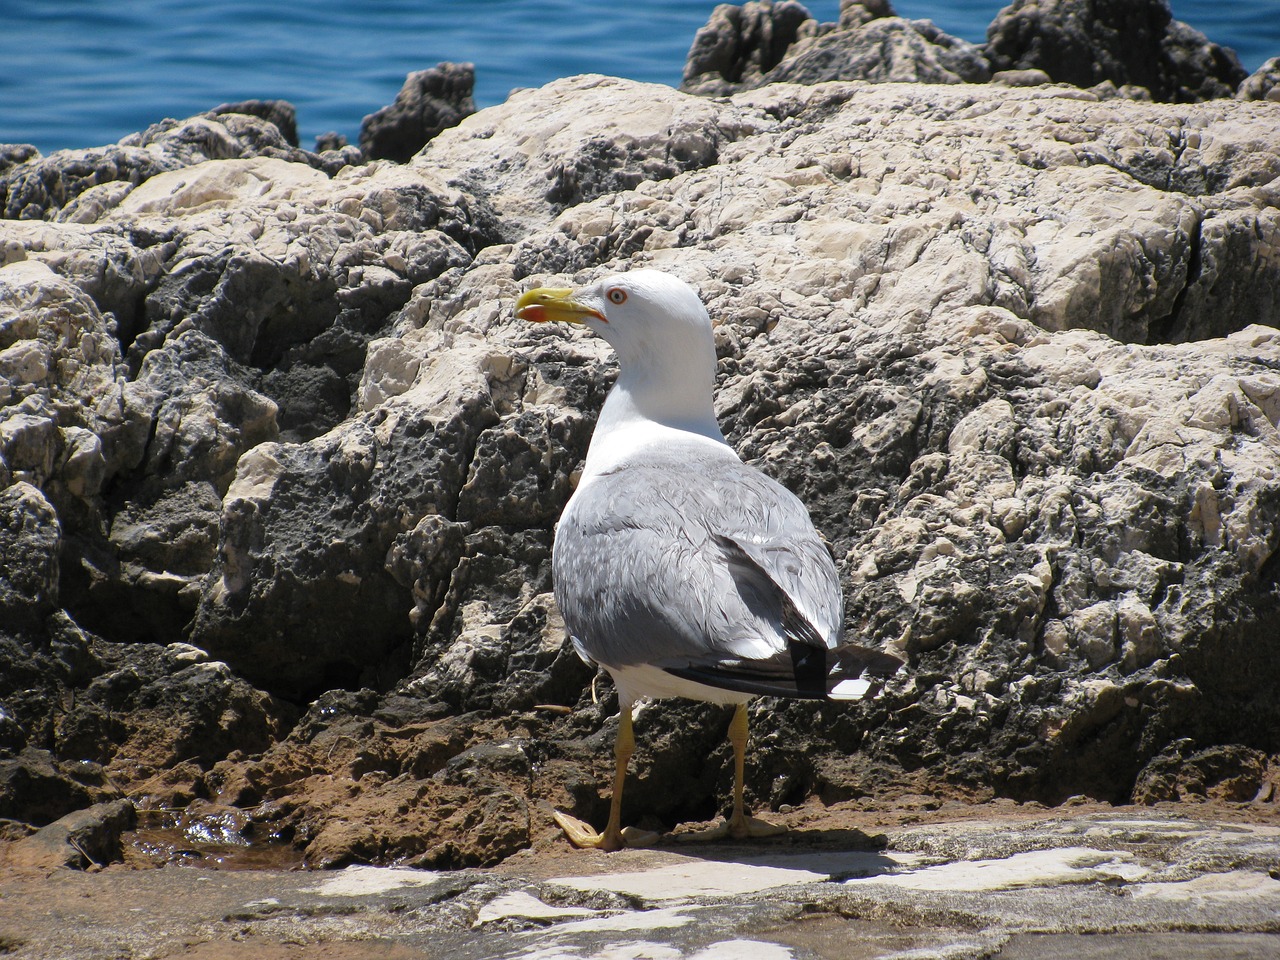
{"points": [[79, 73]]}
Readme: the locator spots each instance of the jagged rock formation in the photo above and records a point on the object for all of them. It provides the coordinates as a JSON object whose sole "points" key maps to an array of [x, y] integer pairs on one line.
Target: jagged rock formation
{"points": [[430, 101], [1130, 47], [763, 42], [1263, 83], [740, 44], [279, 471], [280, 113], [1125, 43], [77, 186]]}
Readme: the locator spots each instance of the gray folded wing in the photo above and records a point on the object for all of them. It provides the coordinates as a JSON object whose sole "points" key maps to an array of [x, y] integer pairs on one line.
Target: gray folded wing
{"points": [[707, 568]]}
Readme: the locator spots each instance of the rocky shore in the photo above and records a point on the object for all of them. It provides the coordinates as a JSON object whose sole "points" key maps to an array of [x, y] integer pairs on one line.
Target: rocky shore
{"points": [[1081, 884], [279, 471]]}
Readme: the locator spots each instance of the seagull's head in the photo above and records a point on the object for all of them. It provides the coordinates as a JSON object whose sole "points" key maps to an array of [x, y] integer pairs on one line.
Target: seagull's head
{"points": [[643, 314]]}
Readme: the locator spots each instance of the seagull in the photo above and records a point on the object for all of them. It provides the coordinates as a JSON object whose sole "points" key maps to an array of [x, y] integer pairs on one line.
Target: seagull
{"points": [[679, 569]]}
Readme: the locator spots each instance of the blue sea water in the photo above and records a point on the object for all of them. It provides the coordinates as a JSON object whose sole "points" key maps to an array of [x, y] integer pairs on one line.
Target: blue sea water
{"points": [[78, 73]]}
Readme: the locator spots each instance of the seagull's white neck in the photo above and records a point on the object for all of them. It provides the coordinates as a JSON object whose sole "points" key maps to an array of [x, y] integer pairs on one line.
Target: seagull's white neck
{"points": [[654, 396]]}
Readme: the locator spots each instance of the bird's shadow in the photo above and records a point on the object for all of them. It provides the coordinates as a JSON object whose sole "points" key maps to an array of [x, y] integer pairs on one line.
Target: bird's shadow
{"points": [[839, 853]]}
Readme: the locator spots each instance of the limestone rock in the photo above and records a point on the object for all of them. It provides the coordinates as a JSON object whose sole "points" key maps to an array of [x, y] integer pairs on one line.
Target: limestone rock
{"points": [[768, 261], [84, 838], [87, 719], [1135, 50], [41, 186], [883, 50], [532, 157], [272, 444], [1085, 43], [759, 43], [429, 101], [30, 536], [281, 113], [114, 272], [1181, 772], [12, 154], [149, 708], [330, 140], [45, 187], [222, 354], [346, 266], [741, 43], [57, 349], [257, 129], [37, 788], [1263, 83]]}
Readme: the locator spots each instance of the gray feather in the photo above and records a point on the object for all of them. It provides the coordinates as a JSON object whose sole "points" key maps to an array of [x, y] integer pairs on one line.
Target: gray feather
{"points": [[697, 563]]}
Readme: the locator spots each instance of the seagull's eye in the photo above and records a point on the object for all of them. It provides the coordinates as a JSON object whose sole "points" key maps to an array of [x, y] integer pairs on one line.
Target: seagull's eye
{"points": [[617, 295]]}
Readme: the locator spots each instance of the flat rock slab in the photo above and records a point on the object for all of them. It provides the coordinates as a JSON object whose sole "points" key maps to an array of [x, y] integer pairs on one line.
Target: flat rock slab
{"points": [[1102, 885]]}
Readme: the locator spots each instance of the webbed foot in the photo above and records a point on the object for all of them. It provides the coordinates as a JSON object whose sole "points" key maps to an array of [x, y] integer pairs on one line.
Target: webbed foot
{"points": [[583, 835], [737, 828]]}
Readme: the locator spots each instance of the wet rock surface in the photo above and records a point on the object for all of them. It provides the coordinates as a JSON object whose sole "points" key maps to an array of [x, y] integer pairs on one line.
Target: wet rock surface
{"points": [[1114, 884], [279, 471]]}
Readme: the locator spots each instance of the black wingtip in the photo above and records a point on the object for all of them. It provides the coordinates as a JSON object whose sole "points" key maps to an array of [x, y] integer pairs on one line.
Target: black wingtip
{"points": [[815, 677]]}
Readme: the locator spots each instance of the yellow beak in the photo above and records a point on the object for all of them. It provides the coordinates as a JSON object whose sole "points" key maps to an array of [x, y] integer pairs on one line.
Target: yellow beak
{"points": [[544, 303]]}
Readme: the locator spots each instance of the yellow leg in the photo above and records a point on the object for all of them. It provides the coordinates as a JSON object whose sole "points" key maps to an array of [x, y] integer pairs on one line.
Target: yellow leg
{"points": [[738, 737], [739, 826], [614, 837], [623, 748]]}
